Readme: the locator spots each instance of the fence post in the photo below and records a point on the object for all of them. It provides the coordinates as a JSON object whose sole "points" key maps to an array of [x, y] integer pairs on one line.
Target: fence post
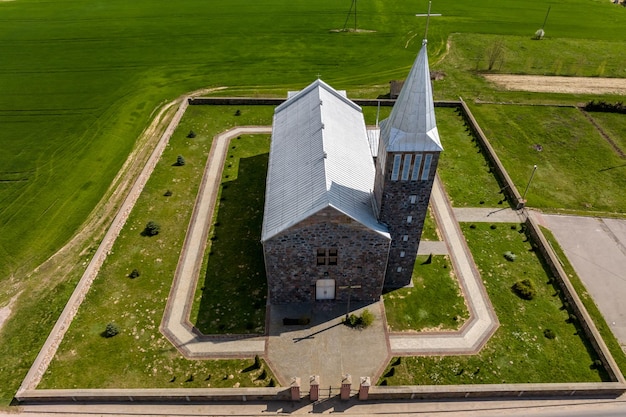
{"points": [[364, 388], [314, 393], [346, 383], [295, 389]]}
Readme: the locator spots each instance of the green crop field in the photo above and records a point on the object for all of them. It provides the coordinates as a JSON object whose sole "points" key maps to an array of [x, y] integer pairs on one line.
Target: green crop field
{"points": [[80, 80]]}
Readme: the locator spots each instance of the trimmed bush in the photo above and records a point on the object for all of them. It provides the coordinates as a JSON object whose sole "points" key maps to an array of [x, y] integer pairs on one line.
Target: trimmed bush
{"points": [[362, 321], [549, 334], [111, 330], [152, 229], [509, 256], [191, 134], [134, 273], [168, 193], [180, 161], [524, 289]]}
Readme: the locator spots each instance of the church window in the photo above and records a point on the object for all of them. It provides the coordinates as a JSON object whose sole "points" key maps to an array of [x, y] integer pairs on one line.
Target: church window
{"points": [[409, 219], [397, 160], [326, 256], [426, 171], [405, 238], [406, 167], [399, 269], [413, 199], [402, 254], [416, 168]]}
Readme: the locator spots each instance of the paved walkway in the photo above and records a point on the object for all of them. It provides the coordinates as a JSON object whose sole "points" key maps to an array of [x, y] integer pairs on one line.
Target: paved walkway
{"points": [[175, 324], [482, 322], [325, 347]]}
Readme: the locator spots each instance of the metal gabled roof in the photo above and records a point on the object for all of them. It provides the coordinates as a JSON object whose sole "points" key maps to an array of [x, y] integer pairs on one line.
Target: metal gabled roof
{"points": [[319, 157], [411, 126]]}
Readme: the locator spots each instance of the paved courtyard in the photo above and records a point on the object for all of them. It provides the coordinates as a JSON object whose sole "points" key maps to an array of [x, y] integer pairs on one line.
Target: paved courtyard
{"points": [[596, 249]]}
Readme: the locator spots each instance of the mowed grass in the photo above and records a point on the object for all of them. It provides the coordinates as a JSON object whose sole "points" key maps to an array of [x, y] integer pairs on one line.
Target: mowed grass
{"points": [[463, 168], [576, 166], [434, 303], [232, 288], [603, 327], [518, 352], [140, 356], [80, 80]]}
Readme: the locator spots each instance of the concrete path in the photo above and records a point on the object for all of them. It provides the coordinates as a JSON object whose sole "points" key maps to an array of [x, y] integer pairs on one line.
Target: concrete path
{"points": [[596, 249], [482, 322], [175, 324], [488, 215]]}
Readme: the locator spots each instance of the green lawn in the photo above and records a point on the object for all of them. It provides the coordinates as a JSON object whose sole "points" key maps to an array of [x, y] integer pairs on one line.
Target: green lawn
{"points": [[463, 168], [574, 163], [434, 303], [518, 352], [86, 359], [232, 292], [590, 305]]}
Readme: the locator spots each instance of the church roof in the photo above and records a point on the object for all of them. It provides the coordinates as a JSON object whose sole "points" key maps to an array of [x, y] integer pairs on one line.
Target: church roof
{"points": [[319, 157], [411, 126]]}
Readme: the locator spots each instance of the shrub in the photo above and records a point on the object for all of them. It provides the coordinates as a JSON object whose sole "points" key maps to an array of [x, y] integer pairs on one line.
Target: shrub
{"points": [[362, 321], [111, 330], [168, 193], [191, 134], [152, 229], [263, 375], [272, 383], [238, 113], [390, 372], [493, 227], [257, 362], [180, 161], [134, 273], [549, 334], [524, 289], [510, 256]]}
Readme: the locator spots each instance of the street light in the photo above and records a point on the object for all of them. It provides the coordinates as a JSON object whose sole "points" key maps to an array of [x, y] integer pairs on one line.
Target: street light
{"points": [[349, 288], [532, 174]]}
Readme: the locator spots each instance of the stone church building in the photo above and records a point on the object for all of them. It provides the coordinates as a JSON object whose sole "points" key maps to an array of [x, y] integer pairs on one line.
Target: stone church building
{"points": [[345, 205]]}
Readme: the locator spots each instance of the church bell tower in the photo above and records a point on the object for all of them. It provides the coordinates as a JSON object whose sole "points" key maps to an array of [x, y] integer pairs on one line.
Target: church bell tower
{"points": [[408, 154]]}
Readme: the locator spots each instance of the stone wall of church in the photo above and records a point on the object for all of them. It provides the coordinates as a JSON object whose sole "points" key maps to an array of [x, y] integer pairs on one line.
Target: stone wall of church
{"points": [[292, 259], [396, 207]]}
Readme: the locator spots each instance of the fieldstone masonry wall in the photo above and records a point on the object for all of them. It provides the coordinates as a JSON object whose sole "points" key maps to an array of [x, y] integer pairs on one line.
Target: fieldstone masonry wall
{"points": [[396, 207], [291, 259]]}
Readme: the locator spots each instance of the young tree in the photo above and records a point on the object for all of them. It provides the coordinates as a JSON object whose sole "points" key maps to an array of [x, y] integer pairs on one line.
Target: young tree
{"points": [[180, 160], [495, 53], [152, 228]]}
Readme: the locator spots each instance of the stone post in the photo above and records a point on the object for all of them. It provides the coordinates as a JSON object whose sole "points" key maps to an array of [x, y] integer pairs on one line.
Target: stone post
{"points": [[295, 389], [364, 388], [314, 382], [346, 383]]}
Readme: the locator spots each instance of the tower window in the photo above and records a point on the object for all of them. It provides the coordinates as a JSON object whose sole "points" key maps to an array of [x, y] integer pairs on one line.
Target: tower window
{"points": [[427, 162], [405, 238], [409, 219], [399, 269], [416, 168], [397, 160], [326, 256], [406, 167], [402, 254], [413, 199]]}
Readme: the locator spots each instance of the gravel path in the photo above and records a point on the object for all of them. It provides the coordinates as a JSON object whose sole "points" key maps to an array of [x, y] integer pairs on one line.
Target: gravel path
{"points": [[555, 84]]}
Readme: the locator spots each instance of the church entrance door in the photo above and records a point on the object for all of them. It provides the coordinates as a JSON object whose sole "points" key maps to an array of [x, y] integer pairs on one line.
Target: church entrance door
{"points": [[325, 289]]}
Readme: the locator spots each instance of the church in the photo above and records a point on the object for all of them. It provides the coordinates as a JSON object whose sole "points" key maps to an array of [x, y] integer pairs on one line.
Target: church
{"points": [[345, 205]]}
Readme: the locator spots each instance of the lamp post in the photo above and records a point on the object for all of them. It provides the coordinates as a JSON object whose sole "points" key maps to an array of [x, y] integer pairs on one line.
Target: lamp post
{"points": [[349, 288], [532, 174]]}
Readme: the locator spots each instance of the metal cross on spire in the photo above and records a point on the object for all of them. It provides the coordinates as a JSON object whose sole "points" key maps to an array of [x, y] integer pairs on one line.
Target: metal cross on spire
{"points": [[428, 15]]}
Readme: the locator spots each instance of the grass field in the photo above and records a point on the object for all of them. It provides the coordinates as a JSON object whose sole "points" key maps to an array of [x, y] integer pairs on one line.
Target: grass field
{"points": [[80, 80], [518, 352], [577, 169], [136, 304], [434, 303]]}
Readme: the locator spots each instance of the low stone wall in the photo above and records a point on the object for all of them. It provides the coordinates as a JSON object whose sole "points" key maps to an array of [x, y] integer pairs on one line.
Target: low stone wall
{"points": [[575, 304], [431, 392], [183, 395], [259, 101], [503, 177]]}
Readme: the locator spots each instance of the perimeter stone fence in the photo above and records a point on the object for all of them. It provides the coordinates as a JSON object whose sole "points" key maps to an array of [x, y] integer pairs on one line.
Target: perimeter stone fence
{"points": [[415, 392]]}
